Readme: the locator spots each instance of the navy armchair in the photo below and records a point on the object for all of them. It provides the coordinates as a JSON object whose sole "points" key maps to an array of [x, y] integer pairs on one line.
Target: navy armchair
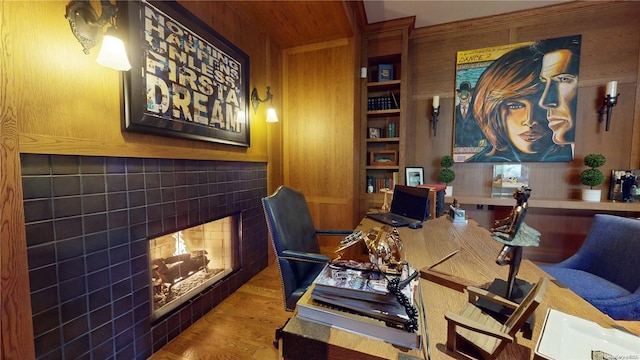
{"points": [[295, 241], [605, 271]]}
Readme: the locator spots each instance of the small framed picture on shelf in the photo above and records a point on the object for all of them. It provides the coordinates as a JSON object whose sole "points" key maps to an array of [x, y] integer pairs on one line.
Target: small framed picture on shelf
{"points": [[507, 177], [625, 185], [375, 133], [414, 176], [383, 158], [385, 72]]}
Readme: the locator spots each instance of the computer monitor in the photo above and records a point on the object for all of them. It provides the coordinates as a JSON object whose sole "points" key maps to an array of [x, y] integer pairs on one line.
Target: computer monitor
{"points": [[411, 202]]}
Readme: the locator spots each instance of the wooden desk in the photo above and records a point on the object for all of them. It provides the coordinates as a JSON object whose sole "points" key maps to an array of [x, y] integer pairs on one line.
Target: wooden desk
{"points": [[475, 262]]}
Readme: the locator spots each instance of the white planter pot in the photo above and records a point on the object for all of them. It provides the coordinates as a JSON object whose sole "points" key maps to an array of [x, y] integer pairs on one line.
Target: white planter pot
{"points": [[448, 191], [591, 195]]}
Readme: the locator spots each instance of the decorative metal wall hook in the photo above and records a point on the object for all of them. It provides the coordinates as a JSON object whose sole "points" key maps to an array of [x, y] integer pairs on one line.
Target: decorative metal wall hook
{"points": [[85, 23], [255, 98], [87, 27], [255, 102]]}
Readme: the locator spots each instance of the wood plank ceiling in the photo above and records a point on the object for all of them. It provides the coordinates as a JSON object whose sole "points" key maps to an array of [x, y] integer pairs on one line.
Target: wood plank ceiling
{"points": [[296, 23]]}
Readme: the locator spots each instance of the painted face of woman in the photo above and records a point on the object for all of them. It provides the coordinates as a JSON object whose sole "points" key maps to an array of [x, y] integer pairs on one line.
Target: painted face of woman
{"points": [[523, 119]]}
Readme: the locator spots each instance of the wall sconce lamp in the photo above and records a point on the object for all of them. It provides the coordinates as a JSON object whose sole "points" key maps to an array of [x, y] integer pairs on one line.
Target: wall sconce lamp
{"points": [[87, 27], [610, 100], [255, 102], [434, 114]]}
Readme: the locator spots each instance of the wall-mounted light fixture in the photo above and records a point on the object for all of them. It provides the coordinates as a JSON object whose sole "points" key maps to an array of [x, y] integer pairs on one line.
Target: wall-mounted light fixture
{"points": [[610, 100], [87, 27], [255, 102], [434, 114]]}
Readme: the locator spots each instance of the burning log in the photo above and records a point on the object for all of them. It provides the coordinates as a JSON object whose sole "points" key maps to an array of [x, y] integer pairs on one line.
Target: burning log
{"points": [[175, 268]]}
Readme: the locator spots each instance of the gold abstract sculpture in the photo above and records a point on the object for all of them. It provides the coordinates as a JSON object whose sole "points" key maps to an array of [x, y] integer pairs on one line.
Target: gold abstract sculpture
{"points": [[385, 247]]}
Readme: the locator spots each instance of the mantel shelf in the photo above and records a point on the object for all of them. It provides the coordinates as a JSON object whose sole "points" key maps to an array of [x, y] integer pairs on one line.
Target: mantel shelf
{"points": [[606, 205]]}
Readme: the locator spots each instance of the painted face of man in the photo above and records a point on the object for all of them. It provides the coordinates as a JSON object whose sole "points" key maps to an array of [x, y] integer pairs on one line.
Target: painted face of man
{"points": [[465, 96], [522, 120], [560, 79]]}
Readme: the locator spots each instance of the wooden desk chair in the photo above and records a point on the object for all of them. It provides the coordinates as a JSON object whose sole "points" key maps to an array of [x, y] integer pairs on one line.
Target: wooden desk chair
{"points": [[486, 334]]}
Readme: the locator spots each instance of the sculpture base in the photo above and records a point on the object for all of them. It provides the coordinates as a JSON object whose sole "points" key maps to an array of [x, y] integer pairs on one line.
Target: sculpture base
{"points": [[499, 287]]}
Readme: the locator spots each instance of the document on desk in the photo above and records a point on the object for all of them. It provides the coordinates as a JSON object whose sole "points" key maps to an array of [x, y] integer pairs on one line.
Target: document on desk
{"points": [[565, 336]]}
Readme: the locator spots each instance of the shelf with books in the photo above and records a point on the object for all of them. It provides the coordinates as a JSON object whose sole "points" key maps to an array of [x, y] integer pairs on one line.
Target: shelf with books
{"points": [[384, 106], [381, 178], [384, 85], [384, 139], [383, 112], [383, 102]]}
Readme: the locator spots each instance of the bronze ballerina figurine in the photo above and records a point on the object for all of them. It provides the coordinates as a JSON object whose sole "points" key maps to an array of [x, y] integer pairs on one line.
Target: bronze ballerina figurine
{"points": [[513, 233]]}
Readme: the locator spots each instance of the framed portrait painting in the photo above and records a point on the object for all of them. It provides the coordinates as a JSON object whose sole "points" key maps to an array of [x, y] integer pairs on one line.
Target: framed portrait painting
{"points": [[517, 102], [186, 80]]}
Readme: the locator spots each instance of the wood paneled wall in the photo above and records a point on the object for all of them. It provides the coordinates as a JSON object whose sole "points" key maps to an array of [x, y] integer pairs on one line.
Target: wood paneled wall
{"points": [[610, 51], [318, 129], [16, 327]]}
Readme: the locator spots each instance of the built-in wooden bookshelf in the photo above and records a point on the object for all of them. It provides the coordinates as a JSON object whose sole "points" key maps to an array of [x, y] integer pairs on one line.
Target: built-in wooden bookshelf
{"points": [[384, 103]]}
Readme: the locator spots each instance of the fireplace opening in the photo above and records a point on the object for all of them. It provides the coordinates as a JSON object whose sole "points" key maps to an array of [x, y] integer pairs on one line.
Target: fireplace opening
{"points": [[185, 262]]}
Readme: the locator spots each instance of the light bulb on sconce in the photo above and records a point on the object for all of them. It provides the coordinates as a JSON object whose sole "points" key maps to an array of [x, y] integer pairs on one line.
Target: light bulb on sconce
{"points": [[271, 114], [112, 53], [610, 100], [434, 114]]}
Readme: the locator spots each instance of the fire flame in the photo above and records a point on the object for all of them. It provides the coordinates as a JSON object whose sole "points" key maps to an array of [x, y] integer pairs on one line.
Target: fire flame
{"points": [[181, 246]]}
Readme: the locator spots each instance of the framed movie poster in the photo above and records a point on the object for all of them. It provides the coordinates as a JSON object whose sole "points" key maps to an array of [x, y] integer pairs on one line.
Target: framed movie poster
{"points": [[186, 80], [517, 102]]}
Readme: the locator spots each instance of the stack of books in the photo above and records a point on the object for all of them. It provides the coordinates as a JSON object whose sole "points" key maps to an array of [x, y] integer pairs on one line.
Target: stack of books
{"points": [[384, 102], [358, 301]]}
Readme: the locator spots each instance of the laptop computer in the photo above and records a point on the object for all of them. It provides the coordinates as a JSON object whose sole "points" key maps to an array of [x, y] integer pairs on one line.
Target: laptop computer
{"points": [[409, 204]]}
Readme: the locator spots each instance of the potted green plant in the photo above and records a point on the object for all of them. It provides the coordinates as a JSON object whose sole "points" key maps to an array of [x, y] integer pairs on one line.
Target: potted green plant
{"points": [[592, 177], [446, 174]]}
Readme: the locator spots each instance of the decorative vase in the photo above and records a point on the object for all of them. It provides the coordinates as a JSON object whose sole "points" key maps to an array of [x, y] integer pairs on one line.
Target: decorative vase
{"points": [[448, 191], [591, 195]]}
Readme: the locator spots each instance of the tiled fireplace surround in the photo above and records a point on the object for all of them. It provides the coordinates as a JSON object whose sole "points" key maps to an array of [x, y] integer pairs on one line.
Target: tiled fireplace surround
{"points": [[87, 223]]}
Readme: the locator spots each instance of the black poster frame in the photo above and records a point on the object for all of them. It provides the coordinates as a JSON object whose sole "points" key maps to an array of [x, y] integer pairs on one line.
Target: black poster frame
{"points": [[218, 85]]}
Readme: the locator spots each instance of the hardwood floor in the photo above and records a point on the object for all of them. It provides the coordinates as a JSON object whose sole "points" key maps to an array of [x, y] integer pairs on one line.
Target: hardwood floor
{"points": [[241, 327]]}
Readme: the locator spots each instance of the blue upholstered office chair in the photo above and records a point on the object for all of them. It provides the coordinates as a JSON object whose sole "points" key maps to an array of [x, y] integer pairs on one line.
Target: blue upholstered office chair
{"points": [[295, 241], [605, 271]]}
